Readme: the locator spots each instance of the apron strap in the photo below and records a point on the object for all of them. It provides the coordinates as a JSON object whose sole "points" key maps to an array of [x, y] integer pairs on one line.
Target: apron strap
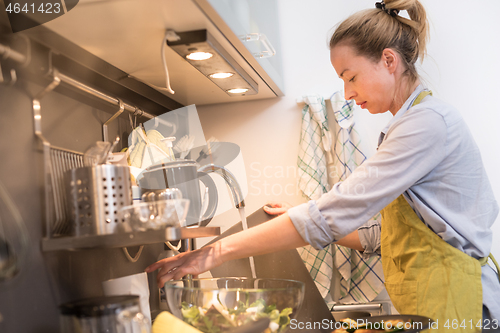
{"points": [[421, 96], [484, 261]]}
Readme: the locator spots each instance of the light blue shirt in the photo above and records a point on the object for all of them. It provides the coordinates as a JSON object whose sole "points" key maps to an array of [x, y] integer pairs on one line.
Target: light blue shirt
{"points": [[429, 155]]}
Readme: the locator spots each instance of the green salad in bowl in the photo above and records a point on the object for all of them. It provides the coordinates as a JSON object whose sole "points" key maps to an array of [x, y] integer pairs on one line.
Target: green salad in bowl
{"points": [[218, 305]]}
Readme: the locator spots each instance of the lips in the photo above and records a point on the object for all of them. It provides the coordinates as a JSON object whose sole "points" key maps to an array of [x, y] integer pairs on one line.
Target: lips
{"points": [[361, 104]]}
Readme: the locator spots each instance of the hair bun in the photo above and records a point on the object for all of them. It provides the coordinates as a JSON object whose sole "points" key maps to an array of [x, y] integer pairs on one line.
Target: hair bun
{"points": [[381, 5]]}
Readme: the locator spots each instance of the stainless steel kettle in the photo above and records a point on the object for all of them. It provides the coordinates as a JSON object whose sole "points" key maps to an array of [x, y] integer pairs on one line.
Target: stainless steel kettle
{"points": [[186, 176]]}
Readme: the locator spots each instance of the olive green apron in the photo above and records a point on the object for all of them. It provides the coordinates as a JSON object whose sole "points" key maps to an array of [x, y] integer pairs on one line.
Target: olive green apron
{"points": [[426, 276]]}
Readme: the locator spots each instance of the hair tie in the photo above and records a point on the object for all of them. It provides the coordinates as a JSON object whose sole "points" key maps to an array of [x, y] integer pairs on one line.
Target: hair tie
{"points": [[392, 12]]}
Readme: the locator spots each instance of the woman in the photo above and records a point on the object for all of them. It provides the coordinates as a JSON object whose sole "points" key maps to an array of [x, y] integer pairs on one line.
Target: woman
{"points": [[426, 177]]}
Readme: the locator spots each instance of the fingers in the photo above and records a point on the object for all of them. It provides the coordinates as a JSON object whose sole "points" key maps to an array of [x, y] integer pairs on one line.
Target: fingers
{"points": [[166, 268], [162, 277], [193, 262], [179, 274], [276, 208], [152, 267], [166, 275], [274, 211], [273, 204], [173, 268], [157, 265], [175, 273]]}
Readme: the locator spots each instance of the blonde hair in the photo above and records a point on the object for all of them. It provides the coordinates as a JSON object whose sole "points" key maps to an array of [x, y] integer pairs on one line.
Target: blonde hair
{"points": [[373, 30]]}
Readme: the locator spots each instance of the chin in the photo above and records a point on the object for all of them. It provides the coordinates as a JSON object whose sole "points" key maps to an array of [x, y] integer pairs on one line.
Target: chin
{"points": [[375, 111]]}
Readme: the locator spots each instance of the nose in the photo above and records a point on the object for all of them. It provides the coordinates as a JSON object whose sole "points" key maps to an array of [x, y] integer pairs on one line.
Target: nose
{"points": [[349, 93]]}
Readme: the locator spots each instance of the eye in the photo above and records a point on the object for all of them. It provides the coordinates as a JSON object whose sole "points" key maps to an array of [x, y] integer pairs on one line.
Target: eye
{"points": [[352, 80]]}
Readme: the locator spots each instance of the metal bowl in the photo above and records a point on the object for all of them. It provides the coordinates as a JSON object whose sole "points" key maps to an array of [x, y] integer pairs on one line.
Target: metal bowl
{"points": [[226, 303]]}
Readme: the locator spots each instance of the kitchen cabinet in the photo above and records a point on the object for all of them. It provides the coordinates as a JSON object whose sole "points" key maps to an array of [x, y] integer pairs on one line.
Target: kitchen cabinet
{"points": [[129, 36], [249, 19]]}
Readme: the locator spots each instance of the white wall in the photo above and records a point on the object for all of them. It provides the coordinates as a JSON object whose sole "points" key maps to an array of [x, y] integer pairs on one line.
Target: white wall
{"points": [[462, 68]]}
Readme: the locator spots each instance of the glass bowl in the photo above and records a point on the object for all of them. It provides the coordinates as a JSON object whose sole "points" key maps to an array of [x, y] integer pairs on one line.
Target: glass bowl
{"points": [[156, 214], [220, 304]]}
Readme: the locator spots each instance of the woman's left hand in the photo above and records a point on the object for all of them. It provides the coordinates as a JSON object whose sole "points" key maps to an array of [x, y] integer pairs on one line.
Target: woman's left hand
{"points": [[276, 208]]}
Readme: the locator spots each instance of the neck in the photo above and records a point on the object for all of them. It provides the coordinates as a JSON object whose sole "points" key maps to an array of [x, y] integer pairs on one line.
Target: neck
{"points": [[402, 94]]}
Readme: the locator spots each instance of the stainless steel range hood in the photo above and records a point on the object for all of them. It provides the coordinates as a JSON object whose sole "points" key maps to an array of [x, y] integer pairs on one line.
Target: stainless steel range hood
{"points": [[128, 34]]}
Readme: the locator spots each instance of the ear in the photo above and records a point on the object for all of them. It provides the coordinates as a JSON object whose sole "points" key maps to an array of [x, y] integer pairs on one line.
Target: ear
{"points": [[390, 60]]}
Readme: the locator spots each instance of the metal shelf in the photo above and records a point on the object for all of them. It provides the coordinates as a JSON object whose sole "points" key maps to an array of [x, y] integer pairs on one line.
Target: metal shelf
{"points": [[127, 239]]}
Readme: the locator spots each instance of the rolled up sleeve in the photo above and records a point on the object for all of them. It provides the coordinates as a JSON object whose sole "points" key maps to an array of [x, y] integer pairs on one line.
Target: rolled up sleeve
{"points": [[369, 236], [311, 225]]}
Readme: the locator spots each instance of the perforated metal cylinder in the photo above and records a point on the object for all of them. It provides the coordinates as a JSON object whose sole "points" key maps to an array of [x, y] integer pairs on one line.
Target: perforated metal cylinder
{"points": [[95, 196]]}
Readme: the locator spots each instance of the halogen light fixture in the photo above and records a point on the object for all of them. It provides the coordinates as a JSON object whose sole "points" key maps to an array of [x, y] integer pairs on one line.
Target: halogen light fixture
{"points": [[201, 50]]}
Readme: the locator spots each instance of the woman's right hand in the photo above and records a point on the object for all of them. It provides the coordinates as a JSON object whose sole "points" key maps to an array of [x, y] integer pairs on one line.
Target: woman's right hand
{"points": [[276, 208], [193, 262], [254, 241]]}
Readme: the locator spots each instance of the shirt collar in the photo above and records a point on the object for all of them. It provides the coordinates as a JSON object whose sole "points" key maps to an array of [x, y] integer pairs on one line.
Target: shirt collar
{"points": [[406, 106]]}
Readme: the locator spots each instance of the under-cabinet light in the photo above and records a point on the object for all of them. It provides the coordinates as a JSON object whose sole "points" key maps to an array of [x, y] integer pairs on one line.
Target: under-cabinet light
{"points": [[221, 75], [199, 56], [237, 90], [200, 41]]}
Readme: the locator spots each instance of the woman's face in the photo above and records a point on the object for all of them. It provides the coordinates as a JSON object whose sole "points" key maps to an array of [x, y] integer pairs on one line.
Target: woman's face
{"points": [[371, 84]]}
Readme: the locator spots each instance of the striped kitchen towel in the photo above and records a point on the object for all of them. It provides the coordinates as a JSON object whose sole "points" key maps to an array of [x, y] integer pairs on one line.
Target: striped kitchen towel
{"points": [[315, 145], [361, 278]]}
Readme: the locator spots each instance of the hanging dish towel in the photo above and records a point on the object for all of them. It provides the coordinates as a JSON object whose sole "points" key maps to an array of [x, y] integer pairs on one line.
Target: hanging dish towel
{"points": [[315, 145], [361, 278], [146, 149]]}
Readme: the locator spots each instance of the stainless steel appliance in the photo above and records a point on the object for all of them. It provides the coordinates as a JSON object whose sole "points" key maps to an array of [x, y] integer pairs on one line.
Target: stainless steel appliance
{"points": [[186, 175], [183, 175], [110, 314], [375, 308]]}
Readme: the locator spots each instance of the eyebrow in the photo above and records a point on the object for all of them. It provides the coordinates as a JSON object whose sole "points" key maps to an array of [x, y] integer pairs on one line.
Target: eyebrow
{"points": [[342, 74]]}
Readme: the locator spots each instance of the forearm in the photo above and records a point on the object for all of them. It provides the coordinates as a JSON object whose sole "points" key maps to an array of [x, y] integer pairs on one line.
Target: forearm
{"points": [[351, 241], [276, 235], [263, 239]]}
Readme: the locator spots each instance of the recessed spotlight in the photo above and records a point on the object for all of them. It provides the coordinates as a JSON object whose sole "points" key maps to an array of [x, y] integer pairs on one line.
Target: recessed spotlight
{"points": [[199, 55], [221, 75], [237, 90], [217, 65]]}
